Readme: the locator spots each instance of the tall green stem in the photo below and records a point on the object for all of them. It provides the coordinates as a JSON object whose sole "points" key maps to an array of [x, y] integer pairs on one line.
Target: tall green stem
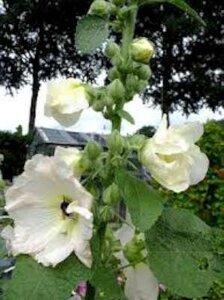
{"points": [[128, 31], [127, 37]]}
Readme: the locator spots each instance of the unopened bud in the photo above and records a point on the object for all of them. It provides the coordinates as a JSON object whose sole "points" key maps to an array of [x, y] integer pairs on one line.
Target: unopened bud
{"points": [[114, 74], [112, 49], [142, 50], [100, 8], [116, 90], [118, 2], [143, 72], [111, 195], [115, 142], [137, 141], [98, 105], [132, 82], [133, 250], [85, 164], [93, 150]]}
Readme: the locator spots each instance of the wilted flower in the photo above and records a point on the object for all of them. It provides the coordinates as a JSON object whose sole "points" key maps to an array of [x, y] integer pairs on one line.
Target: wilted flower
{"points": [[51, 213], [172, 157], [142, 50], [141, 283], [71, 156], [66, 99]]}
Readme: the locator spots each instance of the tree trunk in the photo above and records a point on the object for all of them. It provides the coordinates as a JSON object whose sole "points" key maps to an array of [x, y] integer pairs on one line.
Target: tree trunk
{"points": [[33, 105], [36, 80], [167, 69]]}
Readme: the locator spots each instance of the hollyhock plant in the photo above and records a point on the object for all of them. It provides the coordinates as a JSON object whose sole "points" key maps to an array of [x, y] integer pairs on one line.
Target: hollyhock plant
{"points": [[92, 215]]}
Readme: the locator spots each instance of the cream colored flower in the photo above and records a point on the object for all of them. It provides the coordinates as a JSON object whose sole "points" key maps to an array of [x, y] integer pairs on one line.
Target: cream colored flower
{"points": [[71, 156], [173, 159], [141, 283], [51, 213], [66, 99], [142, 49]]}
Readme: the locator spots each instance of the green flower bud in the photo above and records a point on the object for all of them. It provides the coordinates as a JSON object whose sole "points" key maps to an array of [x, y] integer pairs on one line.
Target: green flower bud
{"points": [[123, 13], [112, 49], [98, 105], [109, 101], [85, 164], [117, 60], [115, 142], [132, 82], [141, 86], [99, 8], [111, 194], [114, 74], [92, 93], [93, 150], [106, 213], [116, 90], [116, 25], [137, 141], [133, 250], [118, 2], [143, 72], [142, 50]]}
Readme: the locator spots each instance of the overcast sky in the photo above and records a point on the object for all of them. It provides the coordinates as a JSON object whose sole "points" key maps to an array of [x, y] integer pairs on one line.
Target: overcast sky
{"points": [[14, 111]]}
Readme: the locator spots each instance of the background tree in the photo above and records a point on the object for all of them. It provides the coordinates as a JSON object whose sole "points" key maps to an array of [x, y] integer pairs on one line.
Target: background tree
{"points": [[37, 43], [188, 64]]}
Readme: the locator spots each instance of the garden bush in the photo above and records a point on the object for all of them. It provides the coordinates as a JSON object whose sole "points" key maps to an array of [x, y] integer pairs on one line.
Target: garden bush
{"points": [[14, 148]]}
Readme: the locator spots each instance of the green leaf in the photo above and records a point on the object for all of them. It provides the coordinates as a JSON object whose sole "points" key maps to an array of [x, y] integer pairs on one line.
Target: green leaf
{"points": [[106, 284], [125, 115], [32, 281], [91, 32], [180, 4], [182, 253], [143, 202]]}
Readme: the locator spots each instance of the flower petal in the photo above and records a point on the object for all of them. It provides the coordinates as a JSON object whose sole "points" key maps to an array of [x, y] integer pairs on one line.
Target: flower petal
{"points": [[141, 284], [199, 165]]}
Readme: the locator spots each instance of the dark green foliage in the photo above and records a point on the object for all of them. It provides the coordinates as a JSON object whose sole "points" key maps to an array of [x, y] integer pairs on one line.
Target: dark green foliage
{"points": [[147, 131], [14, 147], [44, 283], [184, 253], [143, 202], [91, 32], [188, 63], [207, 198]]}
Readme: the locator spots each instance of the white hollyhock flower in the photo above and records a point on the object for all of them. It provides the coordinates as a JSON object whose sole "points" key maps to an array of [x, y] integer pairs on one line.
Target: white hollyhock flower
{"points": [[51, 213], [71, 156], [66, 99], [172, 157], [141, 283]]}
